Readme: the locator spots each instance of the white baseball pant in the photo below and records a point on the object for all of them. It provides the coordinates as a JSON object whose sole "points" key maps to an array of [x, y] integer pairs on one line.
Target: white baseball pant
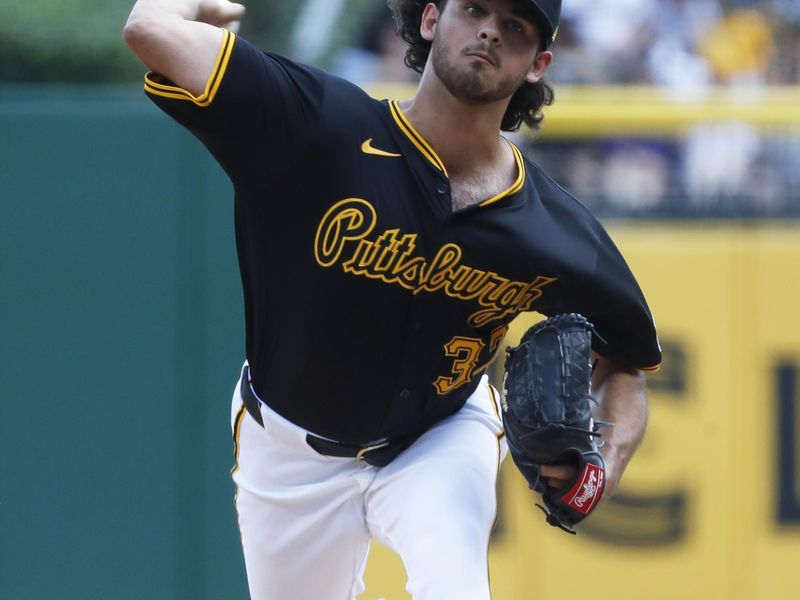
{"points": [[306, 520]]}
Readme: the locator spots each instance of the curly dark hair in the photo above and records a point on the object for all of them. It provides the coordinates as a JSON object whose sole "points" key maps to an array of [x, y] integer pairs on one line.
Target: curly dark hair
{"points": [[526, 103]]}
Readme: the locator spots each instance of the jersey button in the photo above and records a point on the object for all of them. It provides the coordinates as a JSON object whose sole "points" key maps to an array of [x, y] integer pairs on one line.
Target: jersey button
{"points": [[441, 188], [405, 393], [417, 326]]}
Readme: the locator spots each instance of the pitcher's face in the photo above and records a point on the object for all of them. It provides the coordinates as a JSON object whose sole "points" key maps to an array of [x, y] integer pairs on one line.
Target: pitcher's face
{"points": [[484, 50]]}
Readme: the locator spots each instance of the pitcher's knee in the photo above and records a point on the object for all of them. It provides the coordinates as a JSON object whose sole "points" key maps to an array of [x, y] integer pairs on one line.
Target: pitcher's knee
{"points": [[454, 569], [455, 553]]}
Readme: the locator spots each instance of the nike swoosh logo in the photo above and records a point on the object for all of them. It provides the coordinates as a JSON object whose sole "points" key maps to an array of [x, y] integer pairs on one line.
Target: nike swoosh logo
{"points": [[368, 148]]}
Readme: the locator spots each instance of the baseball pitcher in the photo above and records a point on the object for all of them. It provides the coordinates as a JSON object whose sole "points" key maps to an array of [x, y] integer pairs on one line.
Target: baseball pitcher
{"points": [[385, 246]]}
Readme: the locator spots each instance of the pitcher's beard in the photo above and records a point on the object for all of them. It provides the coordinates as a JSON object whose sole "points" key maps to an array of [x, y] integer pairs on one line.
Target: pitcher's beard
{"points": [[468, 83]]}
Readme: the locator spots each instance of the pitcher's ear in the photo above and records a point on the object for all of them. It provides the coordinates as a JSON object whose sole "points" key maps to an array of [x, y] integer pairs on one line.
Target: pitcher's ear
{"points": [[430, 17], [539, 67]]}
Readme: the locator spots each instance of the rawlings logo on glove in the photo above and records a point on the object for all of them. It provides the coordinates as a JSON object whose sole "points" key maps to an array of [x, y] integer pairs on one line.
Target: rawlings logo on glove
{"points": [[547, 415], [589, 486]]}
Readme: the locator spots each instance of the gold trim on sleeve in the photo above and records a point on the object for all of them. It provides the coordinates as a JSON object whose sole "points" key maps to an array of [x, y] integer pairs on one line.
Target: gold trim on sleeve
{"points": [[212, 85]]}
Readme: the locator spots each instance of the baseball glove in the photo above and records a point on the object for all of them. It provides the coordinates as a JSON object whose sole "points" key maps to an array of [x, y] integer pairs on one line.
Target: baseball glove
{"points": [[547, 415]]}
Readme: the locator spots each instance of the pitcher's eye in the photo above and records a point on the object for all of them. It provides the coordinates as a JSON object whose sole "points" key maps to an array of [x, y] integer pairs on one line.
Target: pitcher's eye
{"points": [[515, 26], [473, 10]]}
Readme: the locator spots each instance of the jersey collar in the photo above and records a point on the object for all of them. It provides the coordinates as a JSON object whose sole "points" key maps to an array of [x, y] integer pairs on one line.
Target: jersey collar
{"points": [[412, 134], [430, 155]]}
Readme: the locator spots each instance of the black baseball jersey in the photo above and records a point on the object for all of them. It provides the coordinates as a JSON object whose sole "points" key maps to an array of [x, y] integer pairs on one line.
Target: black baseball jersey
{"points": [[371, 307]]}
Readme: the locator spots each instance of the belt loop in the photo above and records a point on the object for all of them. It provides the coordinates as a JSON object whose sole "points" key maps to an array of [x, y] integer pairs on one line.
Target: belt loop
{"points": [[251, 402]]}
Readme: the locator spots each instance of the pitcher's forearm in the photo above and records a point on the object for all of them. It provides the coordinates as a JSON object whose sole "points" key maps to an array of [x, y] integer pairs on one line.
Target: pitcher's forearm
{"points": [[623, 403], [216, 12]]}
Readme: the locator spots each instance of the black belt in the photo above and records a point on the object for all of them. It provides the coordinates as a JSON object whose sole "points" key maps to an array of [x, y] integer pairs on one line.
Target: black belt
{"points": [[378, 453]]}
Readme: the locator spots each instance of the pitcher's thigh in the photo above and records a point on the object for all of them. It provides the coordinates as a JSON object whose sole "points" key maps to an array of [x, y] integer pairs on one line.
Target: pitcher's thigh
{"points": [[436, 506], [301, 554], [301, 517]]}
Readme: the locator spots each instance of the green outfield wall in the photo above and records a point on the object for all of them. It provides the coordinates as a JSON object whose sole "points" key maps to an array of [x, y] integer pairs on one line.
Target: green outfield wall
{"points": [[121, 337], [120, 340]]}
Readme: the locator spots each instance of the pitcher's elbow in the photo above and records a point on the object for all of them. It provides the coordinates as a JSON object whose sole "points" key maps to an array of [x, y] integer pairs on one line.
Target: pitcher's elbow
{"points": [[138, 31]]}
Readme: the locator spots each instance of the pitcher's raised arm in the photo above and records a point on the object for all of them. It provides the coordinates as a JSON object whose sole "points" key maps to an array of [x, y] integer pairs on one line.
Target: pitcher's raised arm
{"points": [[180, 39]]}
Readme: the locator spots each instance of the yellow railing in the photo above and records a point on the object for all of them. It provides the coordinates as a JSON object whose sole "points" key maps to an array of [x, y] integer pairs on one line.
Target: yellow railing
{"points": [[637, 111]]}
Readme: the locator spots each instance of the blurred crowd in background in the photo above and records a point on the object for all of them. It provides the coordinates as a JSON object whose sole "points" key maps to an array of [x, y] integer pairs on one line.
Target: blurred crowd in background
{"points": [[684, 47], [674, 43], [680, 43]]}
